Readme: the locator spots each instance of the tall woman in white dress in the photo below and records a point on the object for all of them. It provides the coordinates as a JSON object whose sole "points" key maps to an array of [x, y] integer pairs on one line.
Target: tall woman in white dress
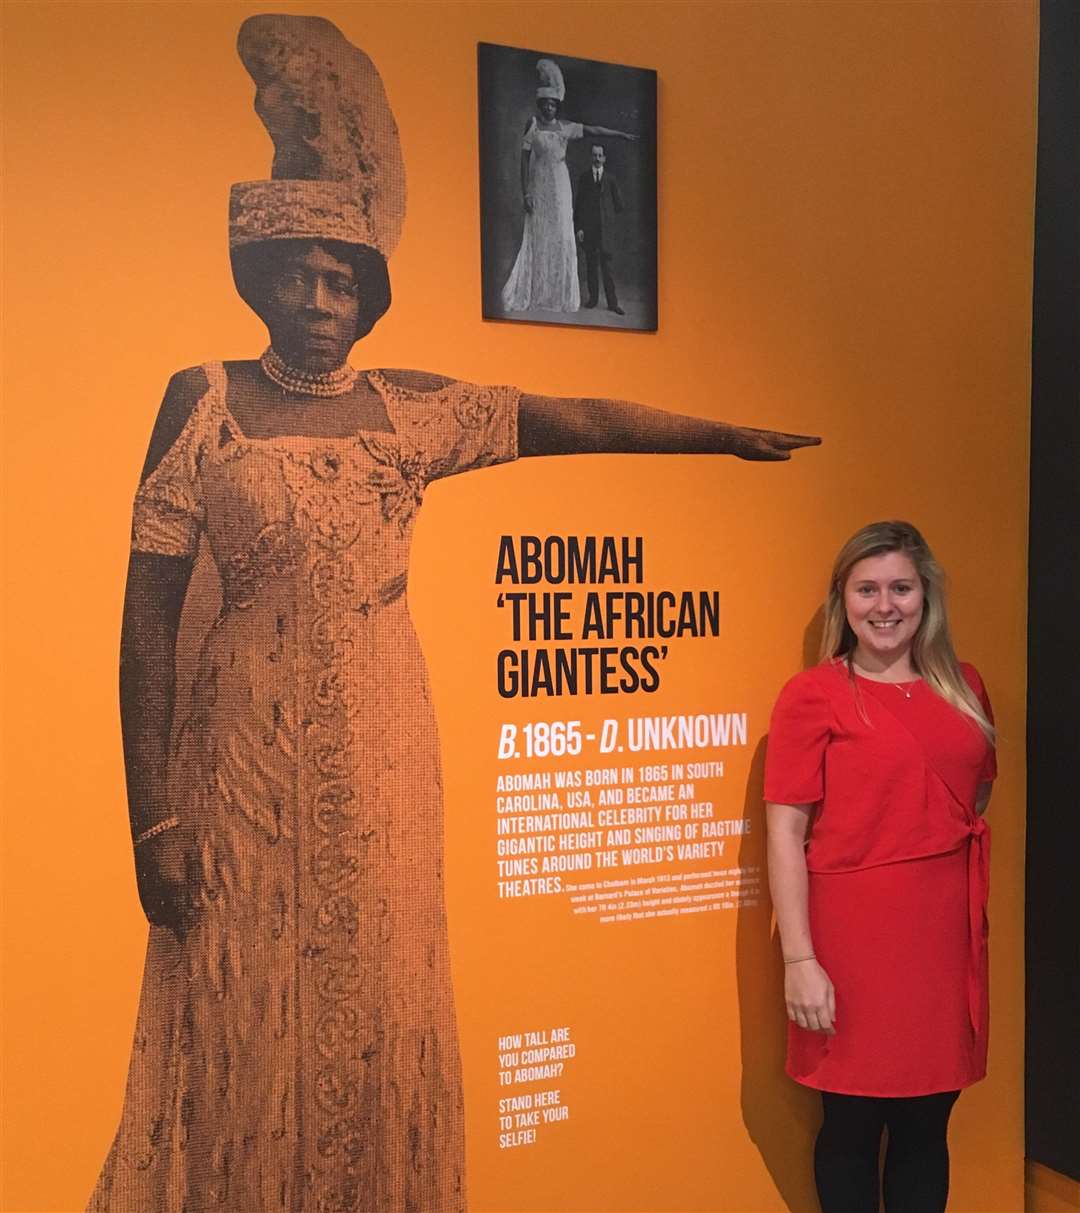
{"points": [[545, 274]]}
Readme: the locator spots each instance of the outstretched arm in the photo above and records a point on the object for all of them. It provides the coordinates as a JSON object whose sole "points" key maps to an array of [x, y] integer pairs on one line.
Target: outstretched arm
{"points": [[605, 132], [553, 425]]}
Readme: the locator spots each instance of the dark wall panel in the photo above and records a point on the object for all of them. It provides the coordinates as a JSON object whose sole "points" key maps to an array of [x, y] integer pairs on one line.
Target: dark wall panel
{"points": [[1053, 879]]}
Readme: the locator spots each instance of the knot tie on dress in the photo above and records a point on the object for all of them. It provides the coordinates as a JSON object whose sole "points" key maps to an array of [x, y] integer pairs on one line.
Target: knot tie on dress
{"points": [[978, 923]]}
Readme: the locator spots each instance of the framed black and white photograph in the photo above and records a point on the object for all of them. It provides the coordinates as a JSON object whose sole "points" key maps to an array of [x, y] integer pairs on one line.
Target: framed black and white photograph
{"points": [[567, 189]]}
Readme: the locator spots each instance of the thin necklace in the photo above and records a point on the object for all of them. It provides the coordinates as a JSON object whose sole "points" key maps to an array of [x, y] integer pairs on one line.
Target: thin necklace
{"points": [[905, 688], [307, 383]]}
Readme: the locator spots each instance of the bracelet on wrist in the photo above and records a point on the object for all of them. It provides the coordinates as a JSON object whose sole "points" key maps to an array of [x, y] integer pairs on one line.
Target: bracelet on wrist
{"points": [[170, 823], [799, 959]]}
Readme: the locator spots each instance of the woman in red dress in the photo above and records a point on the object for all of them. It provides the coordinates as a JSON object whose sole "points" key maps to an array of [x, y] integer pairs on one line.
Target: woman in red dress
{"points": [[879, 769]]}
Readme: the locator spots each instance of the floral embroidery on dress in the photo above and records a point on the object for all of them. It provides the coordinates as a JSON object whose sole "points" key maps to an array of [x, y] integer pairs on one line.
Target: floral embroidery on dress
{"points": [[400, 479], [277, 552], [474, 406], [328, 488], [168, 515], [309, 765]]}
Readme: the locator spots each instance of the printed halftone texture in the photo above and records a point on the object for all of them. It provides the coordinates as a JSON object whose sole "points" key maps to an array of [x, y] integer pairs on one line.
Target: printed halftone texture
{"points": [[338, 173]]}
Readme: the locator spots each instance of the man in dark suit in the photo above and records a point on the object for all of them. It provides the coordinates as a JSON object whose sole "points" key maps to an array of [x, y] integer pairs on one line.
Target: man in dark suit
{"points": [[596, 203]]}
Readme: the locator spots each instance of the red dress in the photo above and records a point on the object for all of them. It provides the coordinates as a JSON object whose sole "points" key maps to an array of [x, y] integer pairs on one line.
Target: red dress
{"points": [[898, 867]]}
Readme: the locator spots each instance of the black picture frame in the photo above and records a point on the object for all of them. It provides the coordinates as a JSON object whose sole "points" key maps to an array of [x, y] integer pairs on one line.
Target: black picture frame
{"points": [[614, 248]]}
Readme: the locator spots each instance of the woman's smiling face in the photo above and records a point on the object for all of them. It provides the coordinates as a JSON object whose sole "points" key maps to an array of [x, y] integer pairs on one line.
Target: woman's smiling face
{"points": [[883, 597], [548, 108]]}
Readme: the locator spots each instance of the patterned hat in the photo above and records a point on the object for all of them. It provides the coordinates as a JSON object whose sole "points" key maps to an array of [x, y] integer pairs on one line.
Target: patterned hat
{"points": [[551, 80], [337, 173]]}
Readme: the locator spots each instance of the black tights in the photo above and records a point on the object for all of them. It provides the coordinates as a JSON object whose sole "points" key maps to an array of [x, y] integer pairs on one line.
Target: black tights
{"points": [[916, 1174]]}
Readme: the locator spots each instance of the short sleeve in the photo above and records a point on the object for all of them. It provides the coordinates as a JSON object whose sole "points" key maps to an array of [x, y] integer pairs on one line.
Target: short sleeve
{"points": [[799, 733], [168, 514], [573, 130], [482, 429], [527, 138], [458, 428], [988, 772]]}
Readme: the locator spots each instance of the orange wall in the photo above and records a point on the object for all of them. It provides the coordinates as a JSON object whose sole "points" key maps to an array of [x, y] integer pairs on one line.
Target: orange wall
{"points": [[1047, 1191], [845, 249]]}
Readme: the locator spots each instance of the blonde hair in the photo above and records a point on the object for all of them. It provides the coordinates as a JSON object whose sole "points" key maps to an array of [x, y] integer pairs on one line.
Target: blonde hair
{"points": [[932, 652]]}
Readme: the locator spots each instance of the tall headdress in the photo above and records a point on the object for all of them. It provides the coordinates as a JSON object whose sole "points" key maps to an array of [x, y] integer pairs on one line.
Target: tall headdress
{"points": [[337, 173], [551, 80]]}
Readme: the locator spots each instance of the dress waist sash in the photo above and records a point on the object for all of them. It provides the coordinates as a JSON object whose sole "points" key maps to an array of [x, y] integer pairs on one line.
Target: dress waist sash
{"points": [[978, 925]]}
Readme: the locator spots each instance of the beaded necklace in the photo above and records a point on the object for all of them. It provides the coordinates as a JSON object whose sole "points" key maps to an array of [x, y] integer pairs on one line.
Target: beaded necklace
{"points": [[307, 383]]}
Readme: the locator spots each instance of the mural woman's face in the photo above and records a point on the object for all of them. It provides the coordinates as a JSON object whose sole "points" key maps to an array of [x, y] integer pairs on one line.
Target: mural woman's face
{"points": [[313, 309], [548, 108]]}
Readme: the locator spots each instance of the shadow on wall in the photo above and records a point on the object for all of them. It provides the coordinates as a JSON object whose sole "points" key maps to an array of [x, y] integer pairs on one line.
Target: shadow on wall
{"points": [[781, 1116], [811, 648]]}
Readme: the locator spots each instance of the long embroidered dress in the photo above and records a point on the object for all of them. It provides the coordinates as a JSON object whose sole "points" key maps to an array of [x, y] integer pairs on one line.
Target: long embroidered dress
{"points": [[545, 274], [298, 1049]]}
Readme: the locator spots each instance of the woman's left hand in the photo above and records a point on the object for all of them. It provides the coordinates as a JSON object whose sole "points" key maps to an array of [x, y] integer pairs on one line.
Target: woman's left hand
{"points": [[810, 997], [167, 875]]}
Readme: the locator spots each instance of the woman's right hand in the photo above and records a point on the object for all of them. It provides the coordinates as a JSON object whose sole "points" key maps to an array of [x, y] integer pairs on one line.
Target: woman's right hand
{"points": [[810, 998], [528, 204], [165, 867], [747, 443]]}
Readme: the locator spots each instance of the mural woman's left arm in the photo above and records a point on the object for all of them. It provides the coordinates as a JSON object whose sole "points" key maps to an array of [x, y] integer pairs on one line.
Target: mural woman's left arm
{"points": [[552, 425]]}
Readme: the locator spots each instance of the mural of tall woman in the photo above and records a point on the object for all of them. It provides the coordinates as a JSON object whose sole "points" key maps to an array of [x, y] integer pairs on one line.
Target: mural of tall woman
{"points": [[296, 1045]]}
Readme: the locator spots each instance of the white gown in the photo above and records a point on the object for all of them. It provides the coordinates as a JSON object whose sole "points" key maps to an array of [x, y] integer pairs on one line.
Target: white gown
{"points": [[545, 274]]}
